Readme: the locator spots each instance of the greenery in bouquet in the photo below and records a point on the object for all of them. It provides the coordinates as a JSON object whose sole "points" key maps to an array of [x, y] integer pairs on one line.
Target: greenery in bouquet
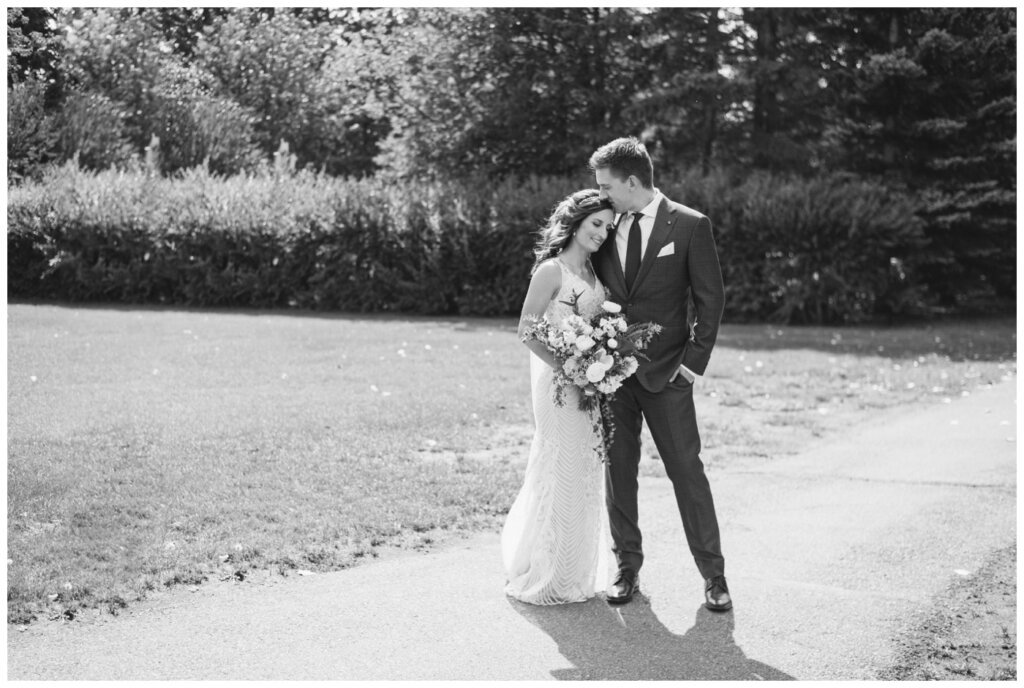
{"points": [[594, 355]]}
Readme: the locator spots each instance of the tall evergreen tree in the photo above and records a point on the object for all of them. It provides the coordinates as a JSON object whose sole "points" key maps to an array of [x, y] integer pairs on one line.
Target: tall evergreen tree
{"points": [[785, 58], [931, 105], [690, 105]]}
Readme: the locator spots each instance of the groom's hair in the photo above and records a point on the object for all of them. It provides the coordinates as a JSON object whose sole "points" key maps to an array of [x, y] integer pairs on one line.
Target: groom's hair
{"points": [[624, 157]]}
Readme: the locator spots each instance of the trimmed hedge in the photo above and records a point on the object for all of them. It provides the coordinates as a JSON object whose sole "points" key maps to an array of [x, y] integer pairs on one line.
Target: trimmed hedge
{"points": [[822, 250], [825, 250], [302, 241]]}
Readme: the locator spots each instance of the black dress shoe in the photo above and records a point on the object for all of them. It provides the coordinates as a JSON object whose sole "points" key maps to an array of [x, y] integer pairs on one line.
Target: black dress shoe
{"points": [[626, 584], [717, 594]]}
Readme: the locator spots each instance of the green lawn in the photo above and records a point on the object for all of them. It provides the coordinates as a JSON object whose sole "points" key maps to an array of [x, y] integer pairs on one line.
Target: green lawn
{"points": [[150, 447]]}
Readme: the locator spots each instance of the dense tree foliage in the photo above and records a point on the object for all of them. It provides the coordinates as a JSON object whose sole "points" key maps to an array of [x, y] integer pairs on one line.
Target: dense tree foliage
{"points": [[919, 99]]}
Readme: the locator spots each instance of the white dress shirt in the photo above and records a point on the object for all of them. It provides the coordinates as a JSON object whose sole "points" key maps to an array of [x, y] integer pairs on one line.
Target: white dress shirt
{"points": [[650, 214]]}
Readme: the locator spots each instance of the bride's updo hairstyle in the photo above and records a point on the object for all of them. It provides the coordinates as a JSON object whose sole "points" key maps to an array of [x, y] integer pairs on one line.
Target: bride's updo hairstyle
{"points": [[564, 222]]}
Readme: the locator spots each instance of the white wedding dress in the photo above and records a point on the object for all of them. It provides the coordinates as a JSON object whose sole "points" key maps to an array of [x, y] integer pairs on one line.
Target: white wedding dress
{"points": [[555, 540]]}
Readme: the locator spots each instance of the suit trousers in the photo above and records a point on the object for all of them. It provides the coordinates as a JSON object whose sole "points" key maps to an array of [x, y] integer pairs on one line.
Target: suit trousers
{"points": [[672, 420]]}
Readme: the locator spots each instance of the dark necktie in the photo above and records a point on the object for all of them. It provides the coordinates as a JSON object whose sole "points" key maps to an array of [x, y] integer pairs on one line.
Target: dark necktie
{"points": [[633, 251]]}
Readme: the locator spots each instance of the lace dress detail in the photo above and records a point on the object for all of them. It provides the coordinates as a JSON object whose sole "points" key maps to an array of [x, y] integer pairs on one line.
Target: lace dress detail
{"points": [[555, 539]]}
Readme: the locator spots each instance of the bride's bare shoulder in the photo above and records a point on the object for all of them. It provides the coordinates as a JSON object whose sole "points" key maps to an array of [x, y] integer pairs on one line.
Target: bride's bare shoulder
{"points": [[547, 277], [549, 270]]}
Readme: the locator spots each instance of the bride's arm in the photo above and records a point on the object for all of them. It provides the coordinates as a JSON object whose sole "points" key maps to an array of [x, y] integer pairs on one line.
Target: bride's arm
{"points": [[544, 286]]}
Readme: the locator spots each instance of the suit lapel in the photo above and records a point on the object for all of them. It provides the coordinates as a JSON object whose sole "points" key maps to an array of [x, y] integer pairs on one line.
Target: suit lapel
{"points": [[663, 222]]}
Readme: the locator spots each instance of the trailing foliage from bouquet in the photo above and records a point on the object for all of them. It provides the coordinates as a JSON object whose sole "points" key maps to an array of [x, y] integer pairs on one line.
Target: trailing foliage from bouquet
{"points": [[594, 356]]}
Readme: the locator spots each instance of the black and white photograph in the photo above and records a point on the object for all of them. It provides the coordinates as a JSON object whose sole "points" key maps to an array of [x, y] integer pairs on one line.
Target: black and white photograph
{"points": [[473, 343]]}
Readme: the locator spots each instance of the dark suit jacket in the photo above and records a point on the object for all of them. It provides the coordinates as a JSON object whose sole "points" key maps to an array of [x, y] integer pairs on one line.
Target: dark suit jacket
{"points": [[661, 289]]}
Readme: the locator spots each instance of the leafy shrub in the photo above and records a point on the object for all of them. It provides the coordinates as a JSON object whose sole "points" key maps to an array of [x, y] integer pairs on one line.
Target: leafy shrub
{"points": [[274, 240], [824, 250], [91, 127], [197, 128], [30, 135], [827, 250]]}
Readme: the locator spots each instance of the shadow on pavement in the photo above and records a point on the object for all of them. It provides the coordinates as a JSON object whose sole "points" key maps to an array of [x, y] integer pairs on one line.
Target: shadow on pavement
{"points": [[629, 643]]}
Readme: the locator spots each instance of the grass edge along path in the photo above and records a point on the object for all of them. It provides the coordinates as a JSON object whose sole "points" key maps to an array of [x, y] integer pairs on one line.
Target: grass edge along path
{"points": [[970, 632]]}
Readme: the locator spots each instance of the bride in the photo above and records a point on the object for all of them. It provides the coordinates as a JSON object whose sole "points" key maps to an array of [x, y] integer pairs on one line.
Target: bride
{"points": [[553, 541]]}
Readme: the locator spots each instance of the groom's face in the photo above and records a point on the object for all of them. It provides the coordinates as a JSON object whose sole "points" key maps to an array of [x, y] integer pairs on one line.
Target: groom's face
{"points": [[613, 188]]}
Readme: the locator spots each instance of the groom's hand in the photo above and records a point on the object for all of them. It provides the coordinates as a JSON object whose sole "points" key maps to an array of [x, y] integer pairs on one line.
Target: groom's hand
{"points": [[687, 375]]}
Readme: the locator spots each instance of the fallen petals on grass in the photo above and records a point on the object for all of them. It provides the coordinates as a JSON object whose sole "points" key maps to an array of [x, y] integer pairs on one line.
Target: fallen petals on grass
{"points": [[345, 461]]}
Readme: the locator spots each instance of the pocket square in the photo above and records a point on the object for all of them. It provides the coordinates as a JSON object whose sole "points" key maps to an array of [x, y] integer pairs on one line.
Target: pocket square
{"points": [[667, 250]]}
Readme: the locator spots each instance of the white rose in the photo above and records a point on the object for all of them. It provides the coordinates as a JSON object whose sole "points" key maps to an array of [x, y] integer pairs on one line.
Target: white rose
{"points": [[596, 371], [622, 325], [584, 343], [612, 343], [611, 307]]}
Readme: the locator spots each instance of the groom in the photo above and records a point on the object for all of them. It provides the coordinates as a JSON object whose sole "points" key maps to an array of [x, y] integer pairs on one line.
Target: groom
{"points": [[662, 252]]}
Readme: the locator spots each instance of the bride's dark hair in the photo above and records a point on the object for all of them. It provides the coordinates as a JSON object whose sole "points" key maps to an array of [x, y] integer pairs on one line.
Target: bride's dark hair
{"points": [[564, 222]]}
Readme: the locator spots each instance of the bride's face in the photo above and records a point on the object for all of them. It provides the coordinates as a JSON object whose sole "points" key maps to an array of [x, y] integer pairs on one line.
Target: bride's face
{"points": [[595, 230]]}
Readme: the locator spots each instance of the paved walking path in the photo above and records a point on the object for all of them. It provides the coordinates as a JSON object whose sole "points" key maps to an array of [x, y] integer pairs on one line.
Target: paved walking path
{"points": [[829, 555]]}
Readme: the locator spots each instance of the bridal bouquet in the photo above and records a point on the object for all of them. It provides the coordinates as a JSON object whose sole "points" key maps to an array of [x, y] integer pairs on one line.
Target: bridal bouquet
{"points": [[594, 355]]}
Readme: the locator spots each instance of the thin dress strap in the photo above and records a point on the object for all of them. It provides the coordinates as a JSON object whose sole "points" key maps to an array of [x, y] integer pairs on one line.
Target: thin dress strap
{"points": [[565, 267]]}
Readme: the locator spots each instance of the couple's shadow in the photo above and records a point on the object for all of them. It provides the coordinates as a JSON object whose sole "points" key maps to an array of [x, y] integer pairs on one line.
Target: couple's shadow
{"points": [[629, 643]]}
